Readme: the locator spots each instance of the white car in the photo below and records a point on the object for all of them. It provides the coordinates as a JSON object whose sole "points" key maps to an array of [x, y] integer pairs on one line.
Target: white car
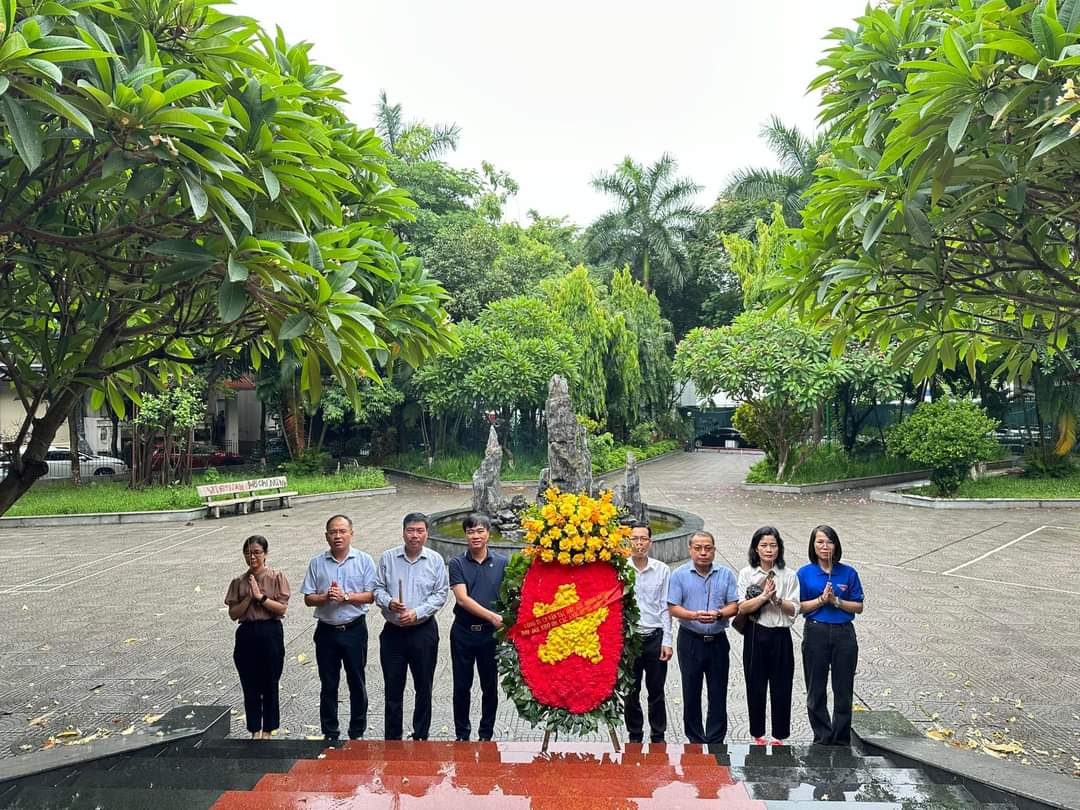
{"points": [[58, 460]]}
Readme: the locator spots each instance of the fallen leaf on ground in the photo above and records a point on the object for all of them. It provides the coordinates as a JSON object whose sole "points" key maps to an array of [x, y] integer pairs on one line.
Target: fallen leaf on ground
{"points": [[129, 730], [939, 733], [1004, 748], [150, 719], [301, 659]]}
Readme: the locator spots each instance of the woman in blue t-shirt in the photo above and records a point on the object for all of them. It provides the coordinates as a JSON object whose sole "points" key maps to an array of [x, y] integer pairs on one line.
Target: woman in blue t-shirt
{"points": [[831, 594]]}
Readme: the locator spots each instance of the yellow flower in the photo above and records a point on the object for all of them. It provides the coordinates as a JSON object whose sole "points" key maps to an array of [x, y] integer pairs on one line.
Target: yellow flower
{"points": [[547, 555], [555, 532], [578, 559], [605, 554], [545, 541], [564, 558]]}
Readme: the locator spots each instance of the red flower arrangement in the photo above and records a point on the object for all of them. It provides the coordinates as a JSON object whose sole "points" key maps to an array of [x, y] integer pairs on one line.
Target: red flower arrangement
{"points": [[572, 678]]}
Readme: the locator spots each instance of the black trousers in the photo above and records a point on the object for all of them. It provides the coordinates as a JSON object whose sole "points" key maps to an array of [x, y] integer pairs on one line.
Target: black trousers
{"points": [[414, 649], [769, 666], [469, 649], [259, 655], [830, 648], [334, 649], [704, 658], [648, 667]]}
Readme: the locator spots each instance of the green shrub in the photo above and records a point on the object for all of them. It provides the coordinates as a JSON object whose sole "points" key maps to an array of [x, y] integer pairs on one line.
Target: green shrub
{"points": [[948, 436], [745, 420], [1042, 462], [310, 462], [211, 475], [643, 435]]}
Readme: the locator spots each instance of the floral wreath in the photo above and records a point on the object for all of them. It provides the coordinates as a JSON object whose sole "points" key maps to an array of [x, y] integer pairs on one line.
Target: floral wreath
{"points": [[566, 661]]}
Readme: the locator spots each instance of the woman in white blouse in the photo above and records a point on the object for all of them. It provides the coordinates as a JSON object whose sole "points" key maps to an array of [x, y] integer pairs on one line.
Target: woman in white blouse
{"points": [[768, 657]]}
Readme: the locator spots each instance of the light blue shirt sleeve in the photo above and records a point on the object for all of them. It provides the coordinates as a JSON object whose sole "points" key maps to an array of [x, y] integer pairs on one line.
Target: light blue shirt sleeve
{"points": [[383, 596], [732, 587], [434, 600], [310, 584]]}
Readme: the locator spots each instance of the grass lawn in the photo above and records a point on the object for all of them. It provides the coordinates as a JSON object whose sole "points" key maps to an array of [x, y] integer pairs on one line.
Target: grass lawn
{"points": [[114, 496], [460, 466], [831, 464], [1013, 486]]}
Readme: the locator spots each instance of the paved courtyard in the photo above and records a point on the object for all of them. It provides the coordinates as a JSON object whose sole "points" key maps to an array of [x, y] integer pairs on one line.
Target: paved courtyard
{"points": [[970, 622]]}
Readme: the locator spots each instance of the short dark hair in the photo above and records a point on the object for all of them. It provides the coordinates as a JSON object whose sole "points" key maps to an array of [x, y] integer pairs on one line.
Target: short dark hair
{"points": [[475, 520], [637, 524], [702, 533], [829, 532], [766, 531], [256, 540], [346, 518], [416, 517]]}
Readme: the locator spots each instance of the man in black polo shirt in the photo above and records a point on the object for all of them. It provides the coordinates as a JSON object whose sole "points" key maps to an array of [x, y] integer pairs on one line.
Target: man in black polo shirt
{"points": [[475, 578]]}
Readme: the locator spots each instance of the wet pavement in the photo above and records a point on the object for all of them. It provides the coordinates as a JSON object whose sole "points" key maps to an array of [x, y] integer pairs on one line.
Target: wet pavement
{"points": [[969, 625]]}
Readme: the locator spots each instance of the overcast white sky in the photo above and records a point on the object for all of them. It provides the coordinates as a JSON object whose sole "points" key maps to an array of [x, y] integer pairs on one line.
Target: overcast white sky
{"points": [[555, 92]]}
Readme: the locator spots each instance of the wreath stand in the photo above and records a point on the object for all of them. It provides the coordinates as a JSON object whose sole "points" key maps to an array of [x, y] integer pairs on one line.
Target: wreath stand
{"points": [[612, 734]]}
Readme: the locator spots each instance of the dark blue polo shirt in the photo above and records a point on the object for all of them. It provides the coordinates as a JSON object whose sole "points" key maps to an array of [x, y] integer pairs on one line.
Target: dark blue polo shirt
{"points": [[481, 580], [845, 583]]}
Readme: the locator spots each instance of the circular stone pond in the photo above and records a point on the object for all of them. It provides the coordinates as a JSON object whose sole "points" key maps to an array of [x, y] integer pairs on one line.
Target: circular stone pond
{"points": [[671, 531]]}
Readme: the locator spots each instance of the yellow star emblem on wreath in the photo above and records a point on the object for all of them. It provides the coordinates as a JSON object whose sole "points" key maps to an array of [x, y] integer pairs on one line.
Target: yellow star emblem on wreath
{"points": [[578, 637]]}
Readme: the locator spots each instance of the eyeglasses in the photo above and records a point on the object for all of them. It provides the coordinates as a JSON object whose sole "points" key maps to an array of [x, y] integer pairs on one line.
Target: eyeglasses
{"points": [[254, 552]]}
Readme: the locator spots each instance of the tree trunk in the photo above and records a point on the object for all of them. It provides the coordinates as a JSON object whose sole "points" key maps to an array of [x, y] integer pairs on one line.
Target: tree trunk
{"points": [[28, 467], [73, 446]]}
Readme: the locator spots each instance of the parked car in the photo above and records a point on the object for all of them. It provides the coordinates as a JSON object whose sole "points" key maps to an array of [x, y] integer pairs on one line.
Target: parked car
{"points": [[58, 460], [721, 437], [202, 456]]}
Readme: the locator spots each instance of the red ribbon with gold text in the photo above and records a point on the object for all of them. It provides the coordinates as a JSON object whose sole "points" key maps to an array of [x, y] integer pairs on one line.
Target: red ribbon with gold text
{"points": [[557, 618]]}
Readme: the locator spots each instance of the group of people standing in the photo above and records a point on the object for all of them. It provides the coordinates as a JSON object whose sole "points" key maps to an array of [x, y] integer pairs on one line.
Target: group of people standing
{"points": [[767, 596], [411, 583]]}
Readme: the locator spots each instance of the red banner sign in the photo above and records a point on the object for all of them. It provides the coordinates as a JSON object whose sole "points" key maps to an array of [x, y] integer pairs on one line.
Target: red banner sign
{"points": [[557, 618]]}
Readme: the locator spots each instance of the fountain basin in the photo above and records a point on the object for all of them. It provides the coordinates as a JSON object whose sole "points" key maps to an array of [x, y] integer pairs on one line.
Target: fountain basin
{"points": [[672, 529]]}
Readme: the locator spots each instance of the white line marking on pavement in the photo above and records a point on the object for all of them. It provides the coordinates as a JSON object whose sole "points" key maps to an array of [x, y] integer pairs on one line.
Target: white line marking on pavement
{"points": [[134, 559], [68, 571], [1024, 585], [994, 551], [1064, 528]]}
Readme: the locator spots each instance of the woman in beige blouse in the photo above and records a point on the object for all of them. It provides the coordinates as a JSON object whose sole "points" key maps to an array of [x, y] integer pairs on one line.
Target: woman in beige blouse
{"points": [[258, 599]]}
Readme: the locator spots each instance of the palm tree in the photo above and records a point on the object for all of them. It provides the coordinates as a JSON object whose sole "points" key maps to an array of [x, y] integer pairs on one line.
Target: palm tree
{"points": [[653, 217], [412, 141], [798, 154]]}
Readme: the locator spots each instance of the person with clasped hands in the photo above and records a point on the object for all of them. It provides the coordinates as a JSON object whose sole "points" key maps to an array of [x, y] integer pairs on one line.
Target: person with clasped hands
{"points": [[703, 596], [831, 595], [340, 585], [768, 656], [258, 599]]}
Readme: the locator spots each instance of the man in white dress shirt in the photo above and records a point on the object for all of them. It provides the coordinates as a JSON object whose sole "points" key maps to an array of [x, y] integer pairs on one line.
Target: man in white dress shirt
{"points": [[654, 627]]}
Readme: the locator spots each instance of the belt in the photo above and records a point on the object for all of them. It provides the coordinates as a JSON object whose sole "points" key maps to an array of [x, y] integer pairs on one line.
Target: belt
{"points": [[345, 626], [649, 632], [706, 637], [476, 628], [420, 623]]}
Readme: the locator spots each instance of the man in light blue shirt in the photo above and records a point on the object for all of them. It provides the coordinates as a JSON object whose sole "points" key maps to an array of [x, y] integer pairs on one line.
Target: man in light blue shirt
{"points": [[340, 585], [703, 596], [411, 586], [651, 579]]}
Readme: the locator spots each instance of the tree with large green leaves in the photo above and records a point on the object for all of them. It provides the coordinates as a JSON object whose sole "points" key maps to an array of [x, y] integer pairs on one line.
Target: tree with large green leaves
{"points": [[654, 216], [177, 185], [781, 368], [946, 218], [798, 154]]}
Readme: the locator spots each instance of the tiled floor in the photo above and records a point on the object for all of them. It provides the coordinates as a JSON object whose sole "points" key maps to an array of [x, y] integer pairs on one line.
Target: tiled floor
{"points": [[103, 626]]}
